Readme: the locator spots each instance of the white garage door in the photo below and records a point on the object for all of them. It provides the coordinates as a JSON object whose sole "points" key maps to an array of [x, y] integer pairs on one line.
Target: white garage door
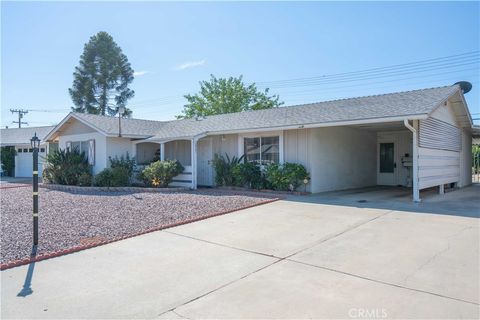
{"points": [[24, 162]]}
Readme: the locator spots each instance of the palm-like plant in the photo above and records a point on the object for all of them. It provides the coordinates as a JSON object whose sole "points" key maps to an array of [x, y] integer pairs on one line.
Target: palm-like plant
{"points": [[65, 166], [223, 167]]}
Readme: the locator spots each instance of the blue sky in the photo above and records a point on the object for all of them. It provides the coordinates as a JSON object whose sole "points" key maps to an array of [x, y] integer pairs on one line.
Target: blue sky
{"points": [[172, 46]]}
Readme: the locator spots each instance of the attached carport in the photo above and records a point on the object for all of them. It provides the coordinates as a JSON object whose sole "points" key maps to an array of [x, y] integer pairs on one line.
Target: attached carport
{"points": [[419, 152]]}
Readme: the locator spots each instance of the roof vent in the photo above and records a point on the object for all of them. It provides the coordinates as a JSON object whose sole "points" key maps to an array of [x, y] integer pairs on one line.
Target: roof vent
{"points": [[464, 85]]}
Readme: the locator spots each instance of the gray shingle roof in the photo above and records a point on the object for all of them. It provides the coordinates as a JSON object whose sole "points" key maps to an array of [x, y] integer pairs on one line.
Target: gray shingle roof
{"points": [[16, 136], [133, 127], [399, 104], [409, 103]]}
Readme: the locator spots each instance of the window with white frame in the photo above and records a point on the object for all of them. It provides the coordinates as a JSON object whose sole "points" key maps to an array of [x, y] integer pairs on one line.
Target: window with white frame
{"points": [[87, 147], [262, 150]]}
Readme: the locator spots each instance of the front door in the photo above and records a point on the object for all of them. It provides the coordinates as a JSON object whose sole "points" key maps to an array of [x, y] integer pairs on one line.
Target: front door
{"points": [[204, 167], [386, 164]]}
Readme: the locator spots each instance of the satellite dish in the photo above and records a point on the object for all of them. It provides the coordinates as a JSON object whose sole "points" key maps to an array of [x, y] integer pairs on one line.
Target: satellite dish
{"points": [[464, 85]]}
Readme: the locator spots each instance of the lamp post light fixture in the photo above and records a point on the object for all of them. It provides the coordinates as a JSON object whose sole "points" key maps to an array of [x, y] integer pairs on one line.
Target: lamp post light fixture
{"points": [[121, 111], [35, 142]]}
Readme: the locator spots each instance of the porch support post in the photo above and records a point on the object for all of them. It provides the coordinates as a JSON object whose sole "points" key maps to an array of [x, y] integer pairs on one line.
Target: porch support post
{"points": [[162, 151], [416, 189], [441, 189], [134, 151], [194, 163]]}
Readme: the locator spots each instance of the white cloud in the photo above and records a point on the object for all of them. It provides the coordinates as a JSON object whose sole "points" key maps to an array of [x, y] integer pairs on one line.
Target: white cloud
{"points": [[140, 73], [189, 64]]}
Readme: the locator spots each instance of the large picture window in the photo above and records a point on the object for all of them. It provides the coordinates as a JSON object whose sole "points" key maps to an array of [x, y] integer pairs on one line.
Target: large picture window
{"points": [[262, 150]]}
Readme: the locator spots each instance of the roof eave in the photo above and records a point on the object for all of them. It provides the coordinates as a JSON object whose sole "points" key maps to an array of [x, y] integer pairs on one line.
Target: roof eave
{"points": [[65, 120], [326, 124]]}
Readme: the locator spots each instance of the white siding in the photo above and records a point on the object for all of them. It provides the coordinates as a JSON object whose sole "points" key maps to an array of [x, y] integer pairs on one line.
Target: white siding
{"points": [[225, 144], [437, 167], [466, 159], [117, 147], [76, 127], [439, 154], [296, 149], [341, 158]]}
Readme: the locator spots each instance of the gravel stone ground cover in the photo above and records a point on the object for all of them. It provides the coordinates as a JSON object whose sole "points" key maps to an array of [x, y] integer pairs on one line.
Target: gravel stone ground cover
{"points": [[67, 220]]}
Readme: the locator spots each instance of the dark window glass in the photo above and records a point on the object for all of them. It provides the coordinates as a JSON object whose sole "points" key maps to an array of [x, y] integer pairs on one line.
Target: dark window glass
{"points": [[386, 157], [25, 150], [30, 150], [252, 149], [19, 150], [42, 149], [270, 150]]}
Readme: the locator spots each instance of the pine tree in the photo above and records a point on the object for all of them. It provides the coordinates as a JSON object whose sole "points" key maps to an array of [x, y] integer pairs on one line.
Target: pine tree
{"points": [[101, 79]]}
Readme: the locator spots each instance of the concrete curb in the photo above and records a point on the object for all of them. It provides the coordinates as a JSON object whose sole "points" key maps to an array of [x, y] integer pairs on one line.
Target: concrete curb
{"points": [[49, 255]]}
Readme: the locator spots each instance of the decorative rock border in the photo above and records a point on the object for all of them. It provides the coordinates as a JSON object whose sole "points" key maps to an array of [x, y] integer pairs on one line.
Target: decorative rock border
{"points": [[263, 191], [79, 189], [48, 255]]}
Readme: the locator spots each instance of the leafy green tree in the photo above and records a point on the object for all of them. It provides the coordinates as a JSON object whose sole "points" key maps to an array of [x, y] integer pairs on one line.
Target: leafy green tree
{"points": [[101, 79], [221, 95]]}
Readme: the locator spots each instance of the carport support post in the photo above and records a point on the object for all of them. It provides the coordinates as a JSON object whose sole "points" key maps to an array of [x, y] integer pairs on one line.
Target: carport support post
{"points": [[194, 163], [416, 189]]}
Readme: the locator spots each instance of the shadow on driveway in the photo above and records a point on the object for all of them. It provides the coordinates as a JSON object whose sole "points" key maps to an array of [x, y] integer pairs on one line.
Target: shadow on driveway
{"points": [[457, 202]]}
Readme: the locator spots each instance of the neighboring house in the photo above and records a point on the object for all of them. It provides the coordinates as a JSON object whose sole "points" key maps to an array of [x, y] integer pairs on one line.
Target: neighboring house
{"points": [[20, 139]]}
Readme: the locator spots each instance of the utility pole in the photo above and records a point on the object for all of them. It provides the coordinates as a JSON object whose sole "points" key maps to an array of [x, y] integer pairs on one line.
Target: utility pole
{"points": [[20, 112]]}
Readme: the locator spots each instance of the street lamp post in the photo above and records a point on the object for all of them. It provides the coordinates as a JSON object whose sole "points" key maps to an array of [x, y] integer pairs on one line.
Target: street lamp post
{"points": [[121, 111], [35, 142]]}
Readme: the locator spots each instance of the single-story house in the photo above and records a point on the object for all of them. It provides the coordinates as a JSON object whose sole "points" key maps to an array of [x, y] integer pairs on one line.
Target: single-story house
{"points": [[19, 138], [417, 139]]}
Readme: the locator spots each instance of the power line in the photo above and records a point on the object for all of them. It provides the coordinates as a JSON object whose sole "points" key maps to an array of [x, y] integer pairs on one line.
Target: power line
{"points": [[468, 55], [372, 76], [341, 87]]}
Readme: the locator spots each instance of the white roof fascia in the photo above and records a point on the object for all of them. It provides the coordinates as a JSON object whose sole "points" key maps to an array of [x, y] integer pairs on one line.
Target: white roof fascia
{"points": [[467, 111], [324, 124], [67, 117]]}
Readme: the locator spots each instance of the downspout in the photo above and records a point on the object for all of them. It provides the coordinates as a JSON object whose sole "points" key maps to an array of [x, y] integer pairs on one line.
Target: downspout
{"points": [[416, 190]]}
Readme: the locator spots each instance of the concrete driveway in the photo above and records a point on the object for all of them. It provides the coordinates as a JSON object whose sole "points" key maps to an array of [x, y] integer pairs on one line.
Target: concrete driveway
{"points": [[322, 256]]}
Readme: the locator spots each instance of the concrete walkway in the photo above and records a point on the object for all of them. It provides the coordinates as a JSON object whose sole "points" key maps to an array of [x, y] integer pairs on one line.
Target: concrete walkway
{"points": [[304, 257]]}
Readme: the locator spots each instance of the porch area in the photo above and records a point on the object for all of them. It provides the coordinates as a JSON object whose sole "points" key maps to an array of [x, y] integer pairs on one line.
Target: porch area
{"points": [[180, 150]]}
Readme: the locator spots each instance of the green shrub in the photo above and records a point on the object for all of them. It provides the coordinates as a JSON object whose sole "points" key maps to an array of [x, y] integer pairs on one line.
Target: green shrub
{"points": [[249, 175], [113, 177], [121, 177], [85, 179], [7, 156], [123, 162], [288, 176], [65, 166], [104, 178], [223, 167], [161, 173]]}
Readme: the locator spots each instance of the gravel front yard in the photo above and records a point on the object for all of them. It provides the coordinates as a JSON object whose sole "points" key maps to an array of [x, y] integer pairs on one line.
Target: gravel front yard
{"points": [[67, 220]]}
